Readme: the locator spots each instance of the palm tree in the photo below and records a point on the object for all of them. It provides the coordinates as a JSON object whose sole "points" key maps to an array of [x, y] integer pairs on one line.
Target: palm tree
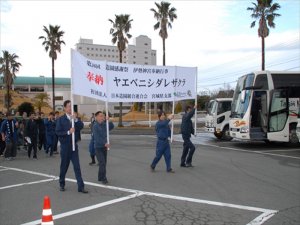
{"points": [[120, 33], [165, 16], [41, 100], [9, 68], [264, 11], [52, 42]]}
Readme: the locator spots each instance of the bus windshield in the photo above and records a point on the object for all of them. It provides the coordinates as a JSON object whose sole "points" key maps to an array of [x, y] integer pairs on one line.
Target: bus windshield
{"points": [[241, 96]]}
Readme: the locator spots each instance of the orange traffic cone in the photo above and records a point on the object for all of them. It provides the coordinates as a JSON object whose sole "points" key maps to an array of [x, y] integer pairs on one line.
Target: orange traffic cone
{"points": [[47, 213]]}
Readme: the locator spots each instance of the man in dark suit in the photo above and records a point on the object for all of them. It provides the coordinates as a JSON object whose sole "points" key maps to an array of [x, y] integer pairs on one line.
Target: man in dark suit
{"points": [[64, 131], [186, 131], [31, 134]]}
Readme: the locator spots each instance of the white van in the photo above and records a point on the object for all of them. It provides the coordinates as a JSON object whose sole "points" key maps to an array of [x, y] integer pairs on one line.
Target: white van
{"points": [[217, 118]]}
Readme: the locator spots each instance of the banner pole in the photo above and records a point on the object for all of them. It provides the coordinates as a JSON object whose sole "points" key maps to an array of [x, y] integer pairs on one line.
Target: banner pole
{"points": [[72, 106], [196, 82], [107, 122], [149, 108], [173, 109], [106, 107]]}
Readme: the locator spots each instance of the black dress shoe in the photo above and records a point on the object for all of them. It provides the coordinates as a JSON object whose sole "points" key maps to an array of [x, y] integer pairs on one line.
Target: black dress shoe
{"points": [[83, 191], [171, 171], [189, 165], [182, 165], [62, 189], [152, 169]]}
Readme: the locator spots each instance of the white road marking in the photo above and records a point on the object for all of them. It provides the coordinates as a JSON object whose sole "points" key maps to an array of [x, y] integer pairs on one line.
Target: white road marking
{"points": [[179, 139], [266, 213], [84, 209], [23, 184], [3, 170]]}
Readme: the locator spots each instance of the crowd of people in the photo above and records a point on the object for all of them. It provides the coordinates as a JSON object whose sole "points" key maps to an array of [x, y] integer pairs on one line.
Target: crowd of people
{"points": [[37, 132], [28, 133]]}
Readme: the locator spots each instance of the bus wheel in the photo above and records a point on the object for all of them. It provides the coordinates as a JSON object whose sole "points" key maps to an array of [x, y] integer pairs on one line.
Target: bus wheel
{"points": [[226, 135], [293, 137]]}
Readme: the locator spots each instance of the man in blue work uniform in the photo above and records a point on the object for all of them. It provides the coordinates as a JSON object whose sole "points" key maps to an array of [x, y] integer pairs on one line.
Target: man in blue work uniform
{"points": [[163, 133], [100, 143], [9, 132], [64, 132], [186, 131]]}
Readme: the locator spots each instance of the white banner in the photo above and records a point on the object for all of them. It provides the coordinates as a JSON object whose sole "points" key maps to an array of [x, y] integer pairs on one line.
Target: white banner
{"points": [[120, 82], [88, 77]]}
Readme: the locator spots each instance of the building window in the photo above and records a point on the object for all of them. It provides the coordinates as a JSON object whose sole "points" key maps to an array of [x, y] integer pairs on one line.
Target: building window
{"points": [[96, 55], [92, 48], [113, 56], [146, 57], [87, 48], [146, 52], [146, 63], [96, 49], [92, 54], [133, 62], [105, 50], [88, 54], [100, 49], [146, 44], [21, 88], [104, 55], [108, 56], [134, 56], [37, 89], [113, 50], [79, 47], [133, 50], [59, 98], [108, 50]]}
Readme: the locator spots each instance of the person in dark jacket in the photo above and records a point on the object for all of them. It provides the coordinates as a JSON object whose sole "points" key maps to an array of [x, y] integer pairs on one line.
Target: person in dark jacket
{"points": [[2, 142], [42, 131], [64, 131], [50, 133], [163, 133], [91, 146], [9, 131], [31, 135], [186, 131], [100, 144]]}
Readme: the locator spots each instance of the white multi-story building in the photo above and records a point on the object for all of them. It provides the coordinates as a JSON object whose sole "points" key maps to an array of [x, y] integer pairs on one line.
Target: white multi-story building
{"points": [[138, 53]]}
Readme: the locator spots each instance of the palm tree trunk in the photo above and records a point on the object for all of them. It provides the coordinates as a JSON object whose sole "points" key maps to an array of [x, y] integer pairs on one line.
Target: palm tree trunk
{"points": [[262, 53], [53, 86], [8, 99], [120, 124], [164, 63]]}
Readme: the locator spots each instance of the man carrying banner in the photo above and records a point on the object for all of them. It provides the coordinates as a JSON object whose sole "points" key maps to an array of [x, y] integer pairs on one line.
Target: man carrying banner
{"points": [[64, 131], [186, 131], [163, 133]]}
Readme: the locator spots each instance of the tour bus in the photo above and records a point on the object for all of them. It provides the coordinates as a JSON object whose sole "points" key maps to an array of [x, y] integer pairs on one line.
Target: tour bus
{"points": [[265, 107], [217, 118]]}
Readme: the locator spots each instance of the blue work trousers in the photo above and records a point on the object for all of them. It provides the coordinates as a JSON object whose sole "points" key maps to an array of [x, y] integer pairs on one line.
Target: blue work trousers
{"points": [[162, 149], [188, 151], [67, 155]]}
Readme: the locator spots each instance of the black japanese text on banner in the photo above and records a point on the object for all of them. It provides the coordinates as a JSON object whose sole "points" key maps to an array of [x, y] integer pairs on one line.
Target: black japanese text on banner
{"points": [[131, 82]]}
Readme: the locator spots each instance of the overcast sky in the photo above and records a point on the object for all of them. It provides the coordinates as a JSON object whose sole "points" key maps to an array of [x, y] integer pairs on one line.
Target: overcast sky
{"points": [[214, 36]]}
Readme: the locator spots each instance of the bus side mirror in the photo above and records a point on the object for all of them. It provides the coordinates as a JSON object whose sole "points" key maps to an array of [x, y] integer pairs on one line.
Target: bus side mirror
{"points": [[243, 96]]}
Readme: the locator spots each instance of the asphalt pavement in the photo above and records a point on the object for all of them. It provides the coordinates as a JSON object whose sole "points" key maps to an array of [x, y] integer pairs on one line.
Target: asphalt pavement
{"points": [[230, 183]]}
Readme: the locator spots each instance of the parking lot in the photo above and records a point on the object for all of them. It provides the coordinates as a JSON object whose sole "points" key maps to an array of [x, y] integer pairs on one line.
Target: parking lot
{"points": [[230, 183]]}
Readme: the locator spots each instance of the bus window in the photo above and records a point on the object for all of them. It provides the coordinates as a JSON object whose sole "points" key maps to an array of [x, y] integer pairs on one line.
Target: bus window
{"points": [[262, 81], [278, 111]]}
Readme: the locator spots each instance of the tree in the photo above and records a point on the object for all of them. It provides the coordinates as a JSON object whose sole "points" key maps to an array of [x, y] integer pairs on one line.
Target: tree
{"points": [[264, 11], [165, 16], [25, 107], [41, 101], [120, 33], [52, 43], [9, 68]]}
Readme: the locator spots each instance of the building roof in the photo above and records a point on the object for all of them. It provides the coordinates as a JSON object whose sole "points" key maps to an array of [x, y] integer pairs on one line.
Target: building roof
{"points": [[41, 80]]}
